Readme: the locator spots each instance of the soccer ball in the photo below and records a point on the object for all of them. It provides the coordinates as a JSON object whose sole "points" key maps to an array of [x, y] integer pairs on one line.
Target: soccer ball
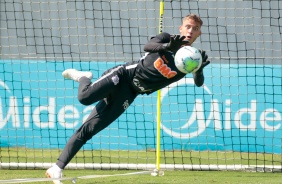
{"points": [[188, 59]]}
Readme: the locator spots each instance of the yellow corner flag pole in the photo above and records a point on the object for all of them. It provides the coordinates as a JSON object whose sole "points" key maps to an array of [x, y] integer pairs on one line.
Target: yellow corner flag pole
{"points": [[158, 148]]}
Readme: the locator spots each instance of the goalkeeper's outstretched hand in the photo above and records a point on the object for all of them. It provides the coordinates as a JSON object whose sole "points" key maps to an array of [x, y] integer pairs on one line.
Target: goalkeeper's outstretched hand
{"points": [[205, 61], [176, 42]]}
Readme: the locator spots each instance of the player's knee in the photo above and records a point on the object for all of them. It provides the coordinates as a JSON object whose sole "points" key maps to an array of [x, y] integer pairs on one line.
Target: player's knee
{"points": [[85, 132], [83, 100]]}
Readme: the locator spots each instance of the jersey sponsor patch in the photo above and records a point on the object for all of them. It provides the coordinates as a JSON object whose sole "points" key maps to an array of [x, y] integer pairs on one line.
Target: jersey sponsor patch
{"points": [[164, 69]]}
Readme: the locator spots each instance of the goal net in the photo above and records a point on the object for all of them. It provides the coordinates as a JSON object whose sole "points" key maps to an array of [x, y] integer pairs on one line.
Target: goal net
{"points": [[233, 122]]}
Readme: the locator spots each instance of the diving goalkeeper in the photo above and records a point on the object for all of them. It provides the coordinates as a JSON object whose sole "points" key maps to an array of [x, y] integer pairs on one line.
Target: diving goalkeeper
{"points": [[117, 88]]}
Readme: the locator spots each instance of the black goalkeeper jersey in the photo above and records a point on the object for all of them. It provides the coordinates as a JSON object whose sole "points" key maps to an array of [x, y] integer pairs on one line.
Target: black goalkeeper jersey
{"points": [[157, 68]]}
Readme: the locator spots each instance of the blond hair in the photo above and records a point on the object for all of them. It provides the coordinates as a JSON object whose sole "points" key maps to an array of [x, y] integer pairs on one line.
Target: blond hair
{"points": [[194, 17]]}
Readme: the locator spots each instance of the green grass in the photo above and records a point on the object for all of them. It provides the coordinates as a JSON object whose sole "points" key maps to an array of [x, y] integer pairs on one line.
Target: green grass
{"points": [[139, 157], [177, 177], [23, 155]]}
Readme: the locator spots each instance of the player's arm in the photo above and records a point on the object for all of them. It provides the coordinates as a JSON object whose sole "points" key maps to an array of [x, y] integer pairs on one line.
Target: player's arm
{"points": [[199, 75], [165, 42]]}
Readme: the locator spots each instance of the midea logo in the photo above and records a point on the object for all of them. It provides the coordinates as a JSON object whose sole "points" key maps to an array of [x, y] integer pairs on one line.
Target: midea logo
{"points": [[201, 123], [225, 115], [19, 112]]}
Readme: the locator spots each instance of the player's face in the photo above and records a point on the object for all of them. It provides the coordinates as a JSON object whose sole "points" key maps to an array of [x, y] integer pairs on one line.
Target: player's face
{"points": [[191, 29]]}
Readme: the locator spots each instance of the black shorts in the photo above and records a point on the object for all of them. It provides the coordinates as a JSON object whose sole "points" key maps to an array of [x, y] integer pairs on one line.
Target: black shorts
{"points": [[114, 93]]}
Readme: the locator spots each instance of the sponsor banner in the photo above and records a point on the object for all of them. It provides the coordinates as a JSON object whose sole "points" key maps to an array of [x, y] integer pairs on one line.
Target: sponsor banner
{"points": [[238, 109]]}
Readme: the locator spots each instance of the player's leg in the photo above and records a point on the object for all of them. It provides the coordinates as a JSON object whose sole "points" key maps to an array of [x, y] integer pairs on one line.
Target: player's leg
{"points": [[88, 92], [102, 116], [104, 113], [89, 128], [75, 143]]}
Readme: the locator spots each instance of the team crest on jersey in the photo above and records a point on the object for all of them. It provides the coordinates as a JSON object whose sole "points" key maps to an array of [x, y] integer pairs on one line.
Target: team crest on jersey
{"points": [[125, 105], [115, 79], [164, 69]]}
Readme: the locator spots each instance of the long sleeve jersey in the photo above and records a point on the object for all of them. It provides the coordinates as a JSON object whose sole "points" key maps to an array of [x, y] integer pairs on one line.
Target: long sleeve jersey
{"points": [[157, 68]]}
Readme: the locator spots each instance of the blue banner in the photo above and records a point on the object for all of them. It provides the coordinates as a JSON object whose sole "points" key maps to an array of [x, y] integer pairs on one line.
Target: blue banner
{"points": [[238, 109]]}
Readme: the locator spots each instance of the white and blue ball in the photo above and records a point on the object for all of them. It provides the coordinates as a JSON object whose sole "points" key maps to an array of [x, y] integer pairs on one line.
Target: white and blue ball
{"points": [[188, 59]]}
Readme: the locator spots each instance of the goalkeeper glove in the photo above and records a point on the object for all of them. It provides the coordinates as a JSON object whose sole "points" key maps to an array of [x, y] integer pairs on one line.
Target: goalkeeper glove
{"points": [[176, 42], [205, 62]]}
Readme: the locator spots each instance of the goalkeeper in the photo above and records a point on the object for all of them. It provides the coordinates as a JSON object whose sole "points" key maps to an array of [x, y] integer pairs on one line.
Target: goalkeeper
{"points": [[117, 88]]}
